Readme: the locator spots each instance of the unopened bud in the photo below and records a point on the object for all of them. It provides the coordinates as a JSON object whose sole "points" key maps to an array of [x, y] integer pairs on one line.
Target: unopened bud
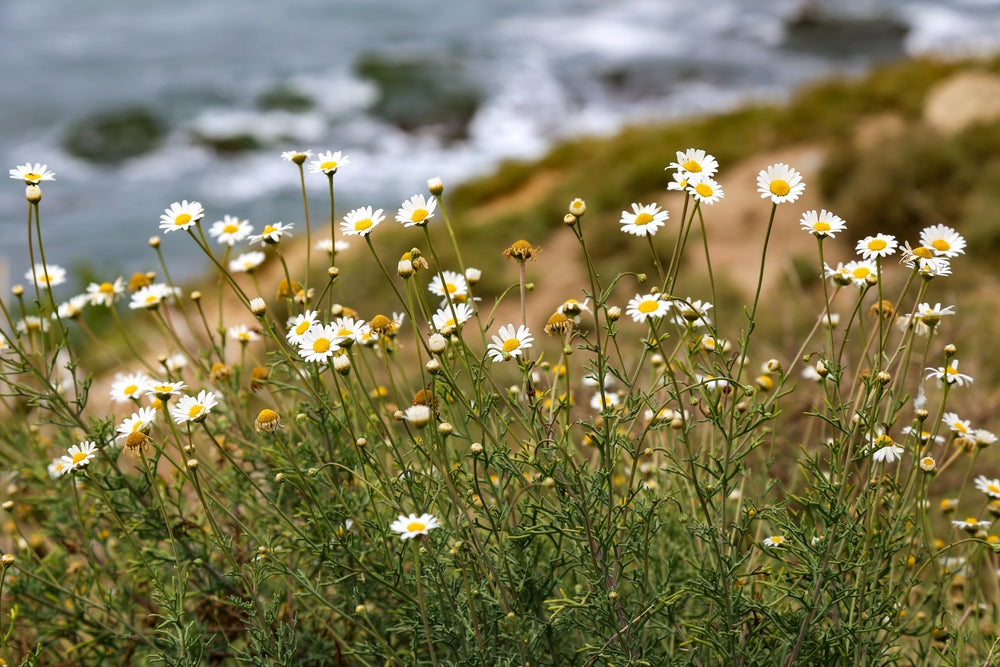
{"points": [[435, 186], [154, 241], [33, 194]]}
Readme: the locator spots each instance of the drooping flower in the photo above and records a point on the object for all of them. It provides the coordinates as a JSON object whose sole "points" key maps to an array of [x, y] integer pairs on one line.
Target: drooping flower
{"points": [[692, 313], [139, 422], [644, 220], [949, 374], [296, 156], [509, 343], [361, 221], [780, 183], [413, 525], [417, 210], [181, 216]]}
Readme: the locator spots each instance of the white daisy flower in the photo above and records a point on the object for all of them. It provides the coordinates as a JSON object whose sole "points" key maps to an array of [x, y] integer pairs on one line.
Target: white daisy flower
{"points": [[449, 318], [944, 240], [327, 245], [72, 309], [957, 425], [165, 389], [242, 333], [449, 284], [886, 450], [350, 330], [319, 343], [79, 456], [971, 524], [780, 183], [643, 307], [247, 262], [678, 180], [949, 374], [695, 161], [509, 343], [990, 487], [271, 234], [328, 163], [57, 468], [775, 541], [230, 230], [361, 221], [644, 220], [933, 267], [704, 189], [417, 210], [181, 215], [413, 525], [880, 245], [300, 325], [105, 294], [32, 174], [692, 313], [30, 324], [609, 402], [151, 296], [193, 409], [47, 276], [298, 157], [418, 415], [859, 271], [983, 437], [139, 422], [931, 315], [822, 224], [129, 387]]}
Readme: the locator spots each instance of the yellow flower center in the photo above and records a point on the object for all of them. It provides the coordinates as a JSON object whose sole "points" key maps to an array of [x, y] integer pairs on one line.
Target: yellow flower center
{"points": [[243, 335], [643, 218], [941, 244], [692, 166], [195, 411], [106, 288], [777, 539], [971, 522], [163, 388], [152, 298], [451, 288], [926, 253], [78, 457], [649, 306], [877, 244], [321, 345], [362, 225], [993, 488], [821, 226], [511, 344], [780, 187], [138, 425], [230, 228], [131, 389], [451, 322], [950, 369], [419, 215], [32, 176], [182, 219], [703, 190], [883, 441], [269, 229], [861, 272], [328, 165], [960, 427], [344, 332], [416, 526], [302, 327]]}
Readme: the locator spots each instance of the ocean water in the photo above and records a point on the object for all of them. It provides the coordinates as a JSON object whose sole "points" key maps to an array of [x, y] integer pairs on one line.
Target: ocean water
{"points": [[535, 72]]}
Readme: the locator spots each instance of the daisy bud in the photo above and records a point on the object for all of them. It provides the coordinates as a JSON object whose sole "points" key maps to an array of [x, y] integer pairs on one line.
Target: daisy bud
{"points": [[928, 464], [333, 272], [871, 279], [196, 296], [435, 186], [883, 377], [279, 478], [398, 415], [361, 442], [437, 343], [342, 364], [405, 268], [821, 369], [476, 448], [433, 366], [7, 560], [154, 241], [360, 609], [445, 428], [33, 194], [772, 366], [17, 290], [614, 313], [950, 350], [549, 483], [922, 414], [569, 219], [192, 464], [577, 207], [258, 307], [472, 275], [8, 505]]}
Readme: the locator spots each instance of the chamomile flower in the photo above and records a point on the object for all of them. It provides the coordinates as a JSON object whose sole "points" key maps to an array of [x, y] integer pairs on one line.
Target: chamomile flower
{"points": [[418, 415], [931, 315], [944, 240], [298, 157], [644, 219], [139, 422], [949, 374], [57, 468], [242, 333], [923, 436], [47, 276], [879, 245], [328, 163], [695, 161], [643, 307], [72, 309], [361, 221], [413, 525], [960, 427], [32, 174], [990, 487], [319, 343], [704, 189], [971, 524], [609, 402], [933, 267], [181, 216], [151, 296], [775, 541], [105, 294], [271, 234], [327, 245], [449, 318], [247, 262], [886, 450], [193, 409], [79, 456], [509, 343], [678, 180], [780, 183], [31, 324], [822, 224], [129, 387], [417, 210], [449, 284], [300, 325], [165, 389], [350, 329], [230, 230], [859, 271], [692, 313]]}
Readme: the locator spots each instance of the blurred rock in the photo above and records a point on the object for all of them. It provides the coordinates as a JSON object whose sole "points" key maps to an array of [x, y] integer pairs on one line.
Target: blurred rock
{"points": [[961, 100], [111, 137]]}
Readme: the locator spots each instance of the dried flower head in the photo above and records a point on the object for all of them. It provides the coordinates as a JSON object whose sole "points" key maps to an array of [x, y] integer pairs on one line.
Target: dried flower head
{"points": [[521, 251], [267, 421]]}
